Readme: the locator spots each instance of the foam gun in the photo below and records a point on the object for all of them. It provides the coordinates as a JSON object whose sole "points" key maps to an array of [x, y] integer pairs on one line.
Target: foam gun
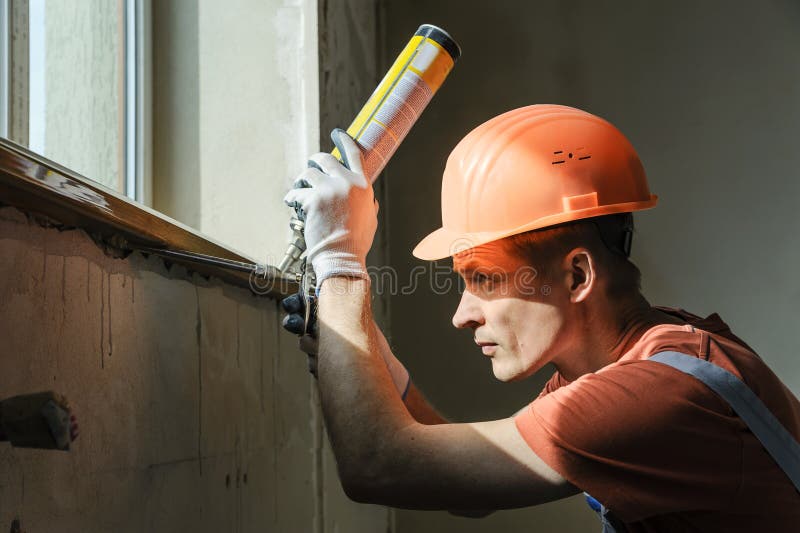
{"points": [[381, 126]]}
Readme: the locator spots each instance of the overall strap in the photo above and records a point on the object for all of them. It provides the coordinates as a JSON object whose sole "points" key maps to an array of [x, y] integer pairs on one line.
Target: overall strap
{"points": [[779, 443], [607, 519]]}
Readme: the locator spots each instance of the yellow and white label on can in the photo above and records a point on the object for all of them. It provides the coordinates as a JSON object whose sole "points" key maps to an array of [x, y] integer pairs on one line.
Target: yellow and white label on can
{"points": [[402, 96]]}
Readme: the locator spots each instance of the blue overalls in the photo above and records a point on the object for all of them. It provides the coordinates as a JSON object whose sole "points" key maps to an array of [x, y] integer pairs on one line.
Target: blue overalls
{"points": [[778, 442]]}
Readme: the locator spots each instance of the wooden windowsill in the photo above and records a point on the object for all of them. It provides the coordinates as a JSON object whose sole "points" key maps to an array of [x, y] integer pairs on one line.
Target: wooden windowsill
{"points": [[37, 185]]}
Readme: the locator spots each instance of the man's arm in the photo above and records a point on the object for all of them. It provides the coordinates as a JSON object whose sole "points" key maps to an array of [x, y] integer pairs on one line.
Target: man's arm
{"points": [[422, 411], [415, 402], [386, 456]]}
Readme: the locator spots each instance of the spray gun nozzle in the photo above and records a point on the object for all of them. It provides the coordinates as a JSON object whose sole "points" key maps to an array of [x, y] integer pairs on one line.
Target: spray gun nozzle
{"points": [[297, 245]]}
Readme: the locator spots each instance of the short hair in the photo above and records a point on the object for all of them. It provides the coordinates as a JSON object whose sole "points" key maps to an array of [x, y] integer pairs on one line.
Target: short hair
{"points": [[607, 238]]}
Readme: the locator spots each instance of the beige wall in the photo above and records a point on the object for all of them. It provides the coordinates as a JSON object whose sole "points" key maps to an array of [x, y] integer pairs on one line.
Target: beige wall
{"points": [[235, 115], [708, 92]]}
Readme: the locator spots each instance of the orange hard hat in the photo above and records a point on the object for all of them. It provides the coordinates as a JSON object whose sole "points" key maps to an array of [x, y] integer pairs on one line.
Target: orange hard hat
{"points": [[530, 168]]}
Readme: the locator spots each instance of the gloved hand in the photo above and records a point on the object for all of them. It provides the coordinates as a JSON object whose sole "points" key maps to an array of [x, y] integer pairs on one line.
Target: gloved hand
{"points": [[294, 322], [340, 211]]}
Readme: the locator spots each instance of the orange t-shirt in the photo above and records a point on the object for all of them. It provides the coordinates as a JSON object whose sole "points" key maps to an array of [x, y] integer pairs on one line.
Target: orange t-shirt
{"points": [[661, 450]]}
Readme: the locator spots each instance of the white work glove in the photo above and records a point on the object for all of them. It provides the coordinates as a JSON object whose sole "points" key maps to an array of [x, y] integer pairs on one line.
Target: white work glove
{"points": [[340, 211]]}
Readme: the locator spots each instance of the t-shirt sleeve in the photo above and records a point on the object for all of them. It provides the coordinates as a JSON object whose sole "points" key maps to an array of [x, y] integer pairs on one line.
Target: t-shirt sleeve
{"points": [[640, 437]]}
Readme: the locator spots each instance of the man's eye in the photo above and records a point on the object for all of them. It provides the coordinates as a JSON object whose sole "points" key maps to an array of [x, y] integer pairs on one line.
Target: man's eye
{"points": [[479, 278], [483, 281]]}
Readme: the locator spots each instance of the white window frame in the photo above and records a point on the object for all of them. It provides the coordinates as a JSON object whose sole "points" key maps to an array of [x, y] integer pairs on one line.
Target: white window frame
{"points": [[138, 101]]}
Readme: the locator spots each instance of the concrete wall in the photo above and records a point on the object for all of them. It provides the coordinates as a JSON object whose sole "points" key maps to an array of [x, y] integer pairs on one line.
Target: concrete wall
{"points": [[196, 412], [708, 92]]}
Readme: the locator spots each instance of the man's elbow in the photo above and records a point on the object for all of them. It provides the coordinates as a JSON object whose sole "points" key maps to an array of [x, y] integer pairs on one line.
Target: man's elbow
{"points": [[363, 489], [356, 491], [363, 481], [374, 475]]}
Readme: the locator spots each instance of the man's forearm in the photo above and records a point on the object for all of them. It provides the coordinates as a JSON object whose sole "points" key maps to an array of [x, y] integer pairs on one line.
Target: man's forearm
{"points": [[422, 411], [361, 407]]}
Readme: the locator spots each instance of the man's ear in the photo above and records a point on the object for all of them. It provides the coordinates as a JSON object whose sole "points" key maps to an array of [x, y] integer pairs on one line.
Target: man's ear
{"points": [[582, 274]]}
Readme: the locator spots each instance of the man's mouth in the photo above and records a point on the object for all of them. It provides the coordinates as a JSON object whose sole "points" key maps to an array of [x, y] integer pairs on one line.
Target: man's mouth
{"points": [[488, 348]]}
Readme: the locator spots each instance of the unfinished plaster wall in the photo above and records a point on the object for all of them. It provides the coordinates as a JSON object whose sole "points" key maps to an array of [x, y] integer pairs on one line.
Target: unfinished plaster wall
{"points": [[709, 93], [196, 412]]}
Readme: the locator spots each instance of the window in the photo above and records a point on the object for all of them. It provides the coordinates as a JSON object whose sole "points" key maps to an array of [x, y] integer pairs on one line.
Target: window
{"points": [[229, 91], [78, 73]]}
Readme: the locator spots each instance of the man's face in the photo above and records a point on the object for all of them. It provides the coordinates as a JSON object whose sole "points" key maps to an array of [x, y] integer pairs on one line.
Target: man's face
{"points": [[515, 315]]}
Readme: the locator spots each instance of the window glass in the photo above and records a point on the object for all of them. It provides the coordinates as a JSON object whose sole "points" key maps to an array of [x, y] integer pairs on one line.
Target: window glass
{"points": [[76, 86]]}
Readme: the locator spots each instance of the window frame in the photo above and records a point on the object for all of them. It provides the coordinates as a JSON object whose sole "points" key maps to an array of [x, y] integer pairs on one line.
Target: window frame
{"points": [[137, 101]]}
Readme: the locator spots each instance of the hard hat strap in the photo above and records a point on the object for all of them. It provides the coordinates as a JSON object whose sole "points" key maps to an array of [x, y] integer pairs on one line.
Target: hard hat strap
{"points": [[616, 232]]}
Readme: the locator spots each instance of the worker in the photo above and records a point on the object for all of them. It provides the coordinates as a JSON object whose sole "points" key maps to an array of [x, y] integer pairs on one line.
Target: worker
{"points": [[639, 413]]}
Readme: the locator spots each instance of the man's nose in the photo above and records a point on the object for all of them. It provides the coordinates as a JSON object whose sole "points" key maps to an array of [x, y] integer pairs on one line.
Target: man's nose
{"points": [[468, 314]]}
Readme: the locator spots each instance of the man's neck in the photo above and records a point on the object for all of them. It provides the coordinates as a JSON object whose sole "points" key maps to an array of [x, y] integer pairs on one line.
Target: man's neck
{"points": [[610, 331]]}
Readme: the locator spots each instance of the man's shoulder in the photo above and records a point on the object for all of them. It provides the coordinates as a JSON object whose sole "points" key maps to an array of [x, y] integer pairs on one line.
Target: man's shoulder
{"points": [[637, 404], [663, 337], [636, 387], [707, 338]]}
